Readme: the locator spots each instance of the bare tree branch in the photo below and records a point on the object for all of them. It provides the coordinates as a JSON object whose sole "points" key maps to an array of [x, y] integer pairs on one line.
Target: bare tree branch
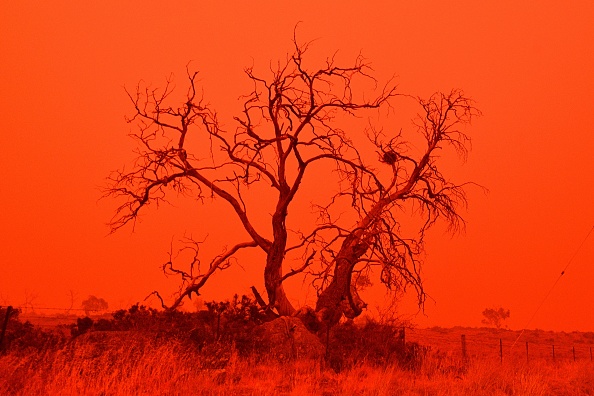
{"points": [[288, 129]]}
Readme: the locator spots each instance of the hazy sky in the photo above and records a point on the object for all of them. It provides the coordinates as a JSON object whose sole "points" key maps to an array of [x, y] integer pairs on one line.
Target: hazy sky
{"points": [[530, 69]]}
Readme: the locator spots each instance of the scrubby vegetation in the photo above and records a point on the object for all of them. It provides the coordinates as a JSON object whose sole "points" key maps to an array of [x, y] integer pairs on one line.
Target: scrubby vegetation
{"points": [[225, 350], [23, 336]]}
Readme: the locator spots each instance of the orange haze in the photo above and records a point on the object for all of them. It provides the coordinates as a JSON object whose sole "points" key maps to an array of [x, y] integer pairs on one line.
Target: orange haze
{"points": [[530, 69]]}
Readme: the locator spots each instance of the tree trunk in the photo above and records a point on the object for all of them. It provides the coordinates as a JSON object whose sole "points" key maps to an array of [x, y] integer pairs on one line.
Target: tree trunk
{"points": [[340, 298], [277, 298], [273, 272]]}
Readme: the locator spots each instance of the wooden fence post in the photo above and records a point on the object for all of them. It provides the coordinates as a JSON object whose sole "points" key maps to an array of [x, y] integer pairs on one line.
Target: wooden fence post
{"points": [[501, 350], [590, 353], [8, 311], [463, 339], [527, 360], [553, 351], [573, 350]]}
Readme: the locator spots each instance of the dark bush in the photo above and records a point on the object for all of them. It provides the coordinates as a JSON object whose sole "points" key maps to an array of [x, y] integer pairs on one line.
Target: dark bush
{"points": [[228, 322], [82, 326], [373, 343], [24, 335], [103, 325]]}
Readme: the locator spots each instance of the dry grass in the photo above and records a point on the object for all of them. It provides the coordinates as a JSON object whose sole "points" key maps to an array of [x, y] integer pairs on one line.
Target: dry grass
{"points": [[134, 364], [484, 343]]}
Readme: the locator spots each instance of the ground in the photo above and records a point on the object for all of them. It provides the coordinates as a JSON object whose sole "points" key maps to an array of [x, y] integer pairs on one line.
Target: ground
{"points": [[129, 362]]}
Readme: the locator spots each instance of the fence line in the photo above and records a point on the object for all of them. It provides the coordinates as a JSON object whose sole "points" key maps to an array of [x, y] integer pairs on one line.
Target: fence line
{"points": [[33, 308], [455, 343], [463, 346], [29, 314]]}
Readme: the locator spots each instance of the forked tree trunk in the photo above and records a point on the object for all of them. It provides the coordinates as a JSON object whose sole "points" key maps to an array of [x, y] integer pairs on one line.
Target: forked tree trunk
{"points": [[340, 297]]}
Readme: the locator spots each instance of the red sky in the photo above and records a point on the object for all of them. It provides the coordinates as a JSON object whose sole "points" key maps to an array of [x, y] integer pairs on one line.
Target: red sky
{"points": [[529, 68]]}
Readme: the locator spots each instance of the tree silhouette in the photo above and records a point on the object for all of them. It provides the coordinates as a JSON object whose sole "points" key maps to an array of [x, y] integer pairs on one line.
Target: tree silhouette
{"points": [[94, 304], [495, 317], [292, 127]]}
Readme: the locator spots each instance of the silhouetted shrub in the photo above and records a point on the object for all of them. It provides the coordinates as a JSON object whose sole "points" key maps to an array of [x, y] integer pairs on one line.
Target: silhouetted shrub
{"points": [[82, 326], [226, 322], [374, 344], [141, 318], [236, 322], [24, 335], [103, 325]]}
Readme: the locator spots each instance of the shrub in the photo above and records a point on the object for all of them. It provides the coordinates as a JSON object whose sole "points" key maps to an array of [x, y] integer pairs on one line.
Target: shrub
{"points": [[82, 326], [225, 322], [374, 344], [24, 335]]}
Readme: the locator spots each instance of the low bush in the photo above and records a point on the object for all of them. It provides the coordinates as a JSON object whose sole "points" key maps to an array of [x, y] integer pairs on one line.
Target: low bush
{"points": [[21, 335], [227, 328], [372, 344], [221, 326]]}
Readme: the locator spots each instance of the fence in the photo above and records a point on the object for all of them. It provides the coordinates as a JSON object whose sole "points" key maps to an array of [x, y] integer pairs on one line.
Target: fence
{"points": [[462, 343], [47, 318], [504, 345]]}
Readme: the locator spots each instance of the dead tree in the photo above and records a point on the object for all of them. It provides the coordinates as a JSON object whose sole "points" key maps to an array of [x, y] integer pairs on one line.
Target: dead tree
{"points": [[290, 123], [380, 199]]}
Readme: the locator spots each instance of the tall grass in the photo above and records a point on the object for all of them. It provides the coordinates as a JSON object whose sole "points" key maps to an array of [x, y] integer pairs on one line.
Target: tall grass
{"points": [[132, 363]]}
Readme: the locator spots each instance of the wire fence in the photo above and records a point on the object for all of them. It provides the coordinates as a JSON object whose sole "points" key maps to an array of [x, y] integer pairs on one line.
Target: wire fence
{"points": [[462, 343], [504, 345], [44, 317], [32, 309]]}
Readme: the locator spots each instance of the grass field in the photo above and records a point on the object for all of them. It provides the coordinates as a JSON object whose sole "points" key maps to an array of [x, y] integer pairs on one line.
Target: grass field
{"points": [[137, 363], [488, 344]]}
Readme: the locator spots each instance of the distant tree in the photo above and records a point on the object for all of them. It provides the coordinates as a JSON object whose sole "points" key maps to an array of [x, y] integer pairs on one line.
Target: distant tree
{"points": [[94, 304], [495, 317], [291, 129]]}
